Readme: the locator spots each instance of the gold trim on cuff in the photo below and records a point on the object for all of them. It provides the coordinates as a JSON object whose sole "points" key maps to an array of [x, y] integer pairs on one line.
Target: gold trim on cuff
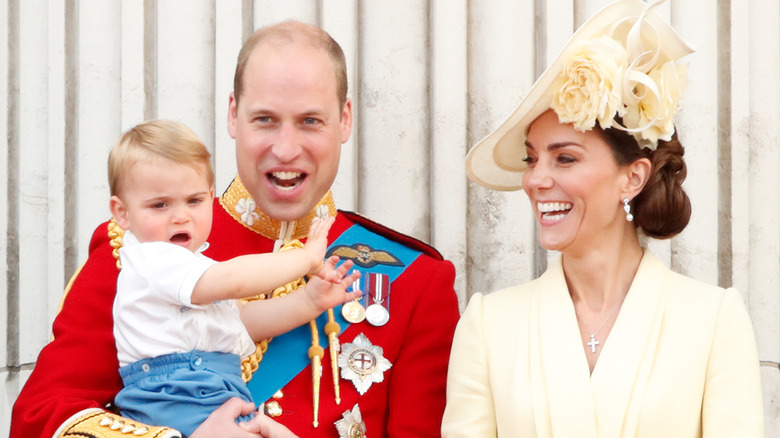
{"points": [[102, 424]]}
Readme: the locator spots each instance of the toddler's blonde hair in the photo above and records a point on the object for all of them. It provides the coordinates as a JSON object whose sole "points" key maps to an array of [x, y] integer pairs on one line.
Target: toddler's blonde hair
{"points": [[154, 140]]}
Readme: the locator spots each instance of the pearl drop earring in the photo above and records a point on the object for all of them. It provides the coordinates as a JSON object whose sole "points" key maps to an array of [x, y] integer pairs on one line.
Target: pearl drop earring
{"points": [[627, 209]]}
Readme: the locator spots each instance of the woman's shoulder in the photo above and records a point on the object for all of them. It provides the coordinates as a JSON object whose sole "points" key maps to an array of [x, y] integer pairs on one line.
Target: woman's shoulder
{"points": [[653, 268], [692, 293], [708, 299], [695, 289]]}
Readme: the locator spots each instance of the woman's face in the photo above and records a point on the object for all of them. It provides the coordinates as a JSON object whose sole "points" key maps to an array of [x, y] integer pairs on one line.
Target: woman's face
{"points": [[574, 184]]}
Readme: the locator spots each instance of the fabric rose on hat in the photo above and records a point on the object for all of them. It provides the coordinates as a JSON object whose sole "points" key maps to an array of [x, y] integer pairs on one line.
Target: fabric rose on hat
{"points": [[590, 86], [655, 111]]}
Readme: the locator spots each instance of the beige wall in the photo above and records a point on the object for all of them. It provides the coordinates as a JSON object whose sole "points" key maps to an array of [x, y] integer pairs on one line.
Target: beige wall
{"points": [[428, 78]]}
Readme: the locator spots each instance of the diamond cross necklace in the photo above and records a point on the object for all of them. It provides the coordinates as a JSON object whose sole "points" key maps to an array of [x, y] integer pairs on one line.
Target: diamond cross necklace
{"points": [[593, 342]]}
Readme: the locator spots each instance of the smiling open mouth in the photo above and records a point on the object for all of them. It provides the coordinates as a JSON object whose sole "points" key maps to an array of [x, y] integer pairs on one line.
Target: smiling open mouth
{"points": [[286, 181], [553, 211]]}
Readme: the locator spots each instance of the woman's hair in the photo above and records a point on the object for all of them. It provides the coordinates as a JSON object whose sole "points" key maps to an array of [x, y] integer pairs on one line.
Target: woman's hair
{"points": [[152, 141], [662, 209]]}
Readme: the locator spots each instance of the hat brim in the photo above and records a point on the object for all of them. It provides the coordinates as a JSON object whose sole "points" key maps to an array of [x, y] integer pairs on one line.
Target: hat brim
{"points": [[498, 160]]}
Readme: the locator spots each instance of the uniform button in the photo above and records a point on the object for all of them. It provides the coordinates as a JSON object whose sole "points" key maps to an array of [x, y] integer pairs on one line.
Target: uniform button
{"points": [[278, 394], [272, 408], [146, 367]]}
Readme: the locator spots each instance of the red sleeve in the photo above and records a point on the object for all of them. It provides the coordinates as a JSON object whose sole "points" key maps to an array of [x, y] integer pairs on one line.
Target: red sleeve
{"points": [[417, 391], [79, 368]]}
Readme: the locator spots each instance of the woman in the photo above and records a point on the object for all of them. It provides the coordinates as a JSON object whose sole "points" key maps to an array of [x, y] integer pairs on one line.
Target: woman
{"points": [[608, 342]]}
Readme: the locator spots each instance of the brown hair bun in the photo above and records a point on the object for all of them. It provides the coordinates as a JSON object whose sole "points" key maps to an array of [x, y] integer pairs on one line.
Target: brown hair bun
{"points": [[662, 210]]}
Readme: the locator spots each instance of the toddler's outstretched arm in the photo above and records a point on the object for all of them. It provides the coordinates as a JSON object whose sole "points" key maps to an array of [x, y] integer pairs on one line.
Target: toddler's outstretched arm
{"points": [[249, 275]]}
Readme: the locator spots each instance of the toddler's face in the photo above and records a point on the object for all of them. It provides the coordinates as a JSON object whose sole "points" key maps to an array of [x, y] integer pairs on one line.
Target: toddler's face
{"points": [[166, 202]]}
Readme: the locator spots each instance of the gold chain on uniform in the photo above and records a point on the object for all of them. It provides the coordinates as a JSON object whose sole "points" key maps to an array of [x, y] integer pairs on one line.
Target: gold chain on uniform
{"points": [[250, 363]]}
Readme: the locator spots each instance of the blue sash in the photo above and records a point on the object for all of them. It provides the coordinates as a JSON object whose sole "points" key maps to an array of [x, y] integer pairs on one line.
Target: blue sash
{"points": [[287, 354]]}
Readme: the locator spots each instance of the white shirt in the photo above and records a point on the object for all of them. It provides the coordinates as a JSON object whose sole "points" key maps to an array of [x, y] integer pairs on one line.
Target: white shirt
{"points": [[153, 310]]}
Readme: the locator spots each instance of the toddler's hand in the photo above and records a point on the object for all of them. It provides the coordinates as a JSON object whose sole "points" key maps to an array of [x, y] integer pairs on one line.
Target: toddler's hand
{"points": [[328, 288], [317, 242], [265, 427]]}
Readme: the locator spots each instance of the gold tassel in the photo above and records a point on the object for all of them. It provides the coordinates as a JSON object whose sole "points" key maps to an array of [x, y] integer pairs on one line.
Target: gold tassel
{"points": [[315, 354], [332, 329]]}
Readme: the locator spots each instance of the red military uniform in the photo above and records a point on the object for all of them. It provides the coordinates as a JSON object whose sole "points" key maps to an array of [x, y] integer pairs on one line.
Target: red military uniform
{"points": [[77, 373]]}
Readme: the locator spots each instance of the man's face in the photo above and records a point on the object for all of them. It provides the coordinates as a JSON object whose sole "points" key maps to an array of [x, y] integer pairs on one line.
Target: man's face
{"points": [[288, 128]]}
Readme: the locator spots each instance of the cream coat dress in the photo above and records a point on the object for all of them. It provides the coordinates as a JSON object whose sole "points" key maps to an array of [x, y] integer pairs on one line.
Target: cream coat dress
{"points": [[680, 361]]}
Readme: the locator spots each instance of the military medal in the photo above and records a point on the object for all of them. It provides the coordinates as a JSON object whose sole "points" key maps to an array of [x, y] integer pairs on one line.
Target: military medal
{"points": [[377, 315], [362, 363], [378, 292], [354, 311]]}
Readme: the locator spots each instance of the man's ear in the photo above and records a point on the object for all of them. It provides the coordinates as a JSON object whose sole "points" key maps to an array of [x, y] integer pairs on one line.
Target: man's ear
{"points": [[346, 121], [232, 115], [119, 211], [637, 175]]}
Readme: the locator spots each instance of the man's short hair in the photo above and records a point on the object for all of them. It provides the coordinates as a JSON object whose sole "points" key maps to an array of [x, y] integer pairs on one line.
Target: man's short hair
{"points": [[289, 32]]}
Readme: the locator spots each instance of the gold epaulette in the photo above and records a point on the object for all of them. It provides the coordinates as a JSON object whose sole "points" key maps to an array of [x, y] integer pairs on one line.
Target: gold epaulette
{"points": [[102, 424], [116, 234]]}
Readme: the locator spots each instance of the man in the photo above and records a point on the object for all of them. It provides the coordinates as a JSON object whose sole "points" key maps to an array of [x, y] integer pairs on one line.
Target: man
{"points": [[289, 115]]}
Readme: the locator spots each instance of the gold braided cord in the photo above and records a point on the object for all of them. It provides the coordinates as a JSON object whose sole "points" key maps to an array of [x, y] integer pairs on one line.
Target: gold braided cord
{"points": [[250, 363], [115, 233]]}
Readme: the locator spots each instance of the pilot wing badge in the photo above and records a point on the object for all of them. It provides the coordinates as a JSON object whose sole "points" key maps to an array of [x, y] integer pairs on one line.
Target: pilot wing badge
{"points": [[365, 256]]}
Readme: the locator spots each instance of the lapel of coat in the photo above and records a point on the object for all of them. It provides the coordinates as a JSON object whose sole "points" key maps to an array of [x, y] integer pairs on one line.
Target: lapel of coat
{"points": [[563, 399], [622, 371]]}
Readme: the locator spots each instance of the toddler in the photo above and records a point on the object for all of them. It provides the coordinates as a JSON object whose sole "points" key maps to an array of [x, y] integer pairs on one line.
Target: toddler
{"points": [[180, 331]]}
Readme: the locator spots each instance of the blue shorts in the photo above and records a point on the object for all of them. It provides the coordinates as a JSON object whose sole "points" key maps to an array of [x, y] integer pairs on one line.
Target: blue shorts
{"points": [[180, 390]]}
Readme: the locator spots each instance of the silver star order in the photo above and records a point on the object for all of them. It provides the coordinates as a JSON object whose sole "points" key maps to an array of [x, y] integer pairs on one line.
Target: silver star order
{"points": [[362, 363], [351, 425]]}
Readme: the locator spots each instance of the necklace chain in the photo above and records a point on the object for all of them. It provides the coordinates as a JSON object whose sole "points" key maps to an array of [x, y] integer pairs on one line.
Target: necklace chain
{"points": [[593, 342]]}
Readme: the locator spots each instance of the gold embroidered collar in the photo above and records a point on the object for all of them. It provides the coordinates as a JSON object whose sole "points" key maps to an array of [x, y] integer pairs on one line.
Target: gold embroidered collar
{"points": [[239, 204]]}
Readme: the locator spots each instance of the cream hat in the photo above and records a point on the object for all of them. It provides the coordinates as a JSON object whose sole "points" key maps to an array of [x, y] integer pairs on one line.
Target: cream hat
{"points": [[618, 63]]}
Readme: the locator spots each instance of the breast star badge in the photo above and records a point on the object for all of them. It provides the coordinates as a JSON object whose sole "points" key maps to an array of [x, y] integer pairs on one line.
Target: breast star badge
{"points": [[362, 363], [351, 424]]}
